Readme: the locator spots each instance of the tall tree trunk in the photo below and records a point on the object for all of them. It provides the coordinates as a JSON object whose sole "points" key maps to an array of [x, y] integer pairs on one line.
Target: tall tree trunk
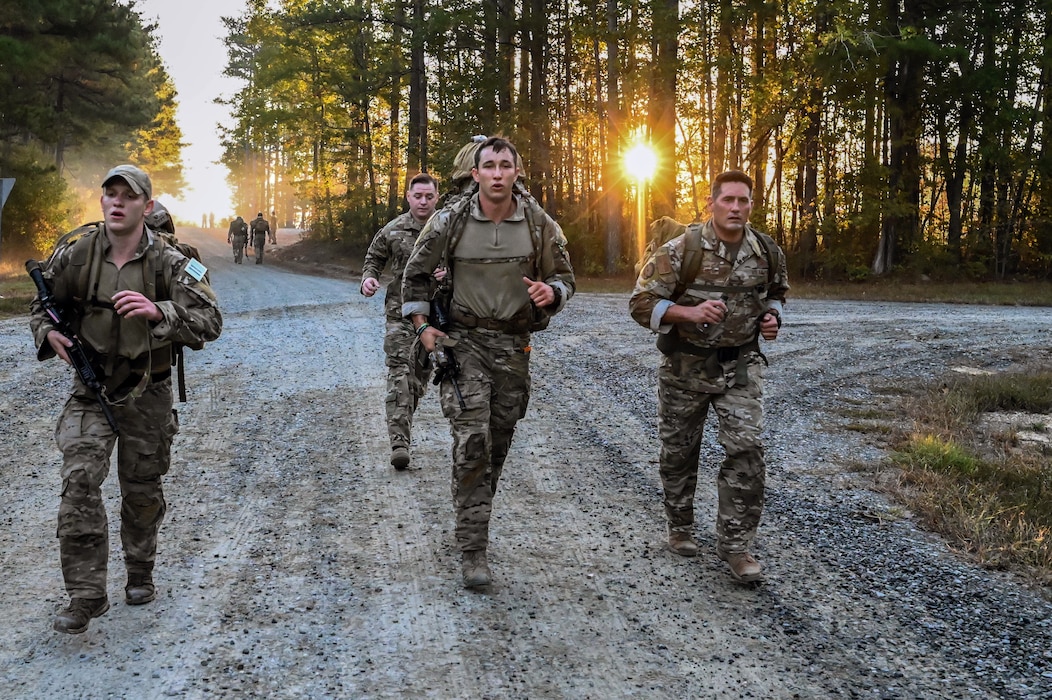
{"points": [[394, 188], [539, 165], [662, 115], [903, 89], [726, 24], [613, 184], [416, 150]]}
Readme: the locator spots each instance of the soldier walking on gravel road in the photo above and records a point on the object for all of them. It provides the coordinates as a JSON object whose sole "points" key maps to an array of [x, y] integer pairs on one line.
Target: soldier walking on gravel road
{"points": [[508, 272], [131, 296], [710, 294], [408, 367]]}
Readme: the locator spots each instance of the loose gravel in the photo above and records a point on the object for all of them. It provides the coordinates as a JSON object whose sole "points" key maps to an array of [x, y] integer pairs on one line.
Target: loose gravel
{"points": [[296, 563]]}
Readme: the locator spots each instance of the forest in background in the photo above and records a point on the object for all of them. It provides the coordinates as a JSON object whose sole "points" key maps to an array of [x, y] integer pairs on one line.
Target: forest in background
{"points": [[909, 136], [81, 88]]}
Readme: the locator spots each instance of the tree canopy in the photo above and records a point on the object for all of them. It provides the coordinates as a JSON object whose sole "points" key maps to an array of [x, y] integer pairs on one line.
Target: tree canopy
{"points": [[904, 136], [83, 89]]}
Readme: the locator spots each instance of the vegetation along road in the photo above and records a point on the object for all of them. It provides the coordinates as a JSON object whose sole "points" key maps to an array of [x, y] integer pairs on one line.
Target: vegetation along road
{"points": [[295, 563]]}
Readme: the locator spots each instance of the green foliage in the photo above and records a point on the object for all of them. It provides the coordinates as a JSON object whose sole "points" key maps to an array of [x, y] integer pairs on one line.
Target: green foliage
{"points": [[38, 209], [82, 89], [935, 454]]}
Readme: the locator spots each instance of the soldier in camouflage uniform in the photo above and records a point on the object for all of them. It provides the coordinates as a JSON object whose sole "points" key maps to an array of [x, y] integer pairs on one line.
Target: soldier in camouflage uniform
{"points": [[708, 328], [408, 368], [259, 232], [509, 273], [131, 295], [237, 236]]}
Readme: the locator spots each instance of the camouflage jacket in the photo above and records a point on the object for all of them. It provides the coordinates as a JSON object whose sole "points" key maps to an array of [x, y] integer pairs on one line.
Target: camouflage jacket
{"points": [[744, 281], [549, 261], [392, 245], [79, 280]]}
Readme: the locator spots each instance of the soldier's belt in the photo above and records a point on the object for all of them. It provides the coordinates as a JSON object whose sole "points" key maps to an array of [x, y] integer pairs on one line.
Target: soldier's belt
{"points": [[517, 325]]}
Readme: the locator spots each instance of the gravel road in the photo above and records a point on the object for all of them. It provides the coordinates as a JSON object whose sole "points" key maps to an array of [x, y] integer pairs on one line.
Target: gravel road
{"points": [[295, 563]]}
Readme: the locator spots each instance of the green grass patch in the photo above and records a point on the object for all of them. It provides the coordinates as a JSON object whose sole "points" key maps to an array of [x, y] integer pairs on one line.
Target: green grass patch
{"points": [[985, 493], [16, 291]]}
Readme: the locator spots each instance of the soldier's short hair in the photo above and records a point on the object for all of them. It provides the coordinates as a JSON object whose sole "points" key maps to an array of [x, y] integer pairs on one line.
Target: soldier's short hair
{"points": [[423, 179], [498, 144], [730, 176]]}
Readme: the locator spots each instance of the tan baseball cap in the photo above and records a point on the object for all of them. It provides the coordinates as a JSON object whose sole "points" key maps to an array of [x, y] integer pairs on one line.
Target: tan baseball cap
{"points": [[136, 179]]}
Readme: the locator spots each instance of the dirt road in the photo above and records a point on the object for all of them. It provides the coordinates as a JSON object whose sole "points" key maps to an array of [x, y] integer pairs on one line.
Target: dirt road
{"points": [[295, 563]]}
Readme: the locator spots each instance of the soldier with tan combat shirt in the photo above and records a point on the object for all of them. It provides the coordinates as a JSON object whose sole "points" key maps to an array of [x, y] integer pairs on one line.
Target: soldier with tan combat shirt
{"points": [[131, 296], [708, 329], [408, 369], [509, 273]]}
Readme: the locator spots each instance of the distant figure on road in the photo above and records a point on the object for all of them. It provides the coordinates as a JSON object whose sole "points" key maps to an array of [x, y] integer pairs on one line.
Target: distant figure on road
{"points": [[273, 228], [237, 236], [408, 367], [130, 296], [260, 230], [211, 220], [508, 272], [710, 294]]}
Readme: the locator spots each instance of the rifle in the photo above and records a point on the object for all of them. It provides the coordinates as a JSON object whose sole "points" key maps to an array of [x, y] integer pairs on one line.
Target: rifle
{"points": [[77, 356], [446, 367]]}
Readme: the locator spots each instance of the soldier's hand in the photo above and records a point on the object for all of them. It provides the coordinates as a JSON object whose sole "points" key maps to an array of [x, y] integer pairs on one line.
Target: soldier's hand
{"points": [[429, 338], [769, 326], [369, 286], [59, 343], [131, 304], [709, 312], [541, 293]]}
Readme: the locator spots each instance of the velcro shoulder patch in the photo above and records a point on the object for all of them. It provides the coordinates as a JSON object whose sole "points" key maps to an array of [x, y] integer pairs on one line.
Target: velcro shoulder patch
{"points": [[664, 265], [195, 269]]}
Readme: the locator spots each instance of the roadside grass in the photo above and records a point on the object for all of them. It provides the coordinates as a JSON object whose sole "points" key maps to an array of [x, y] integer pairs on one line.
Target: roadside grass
{"points": [[983, 490], [991, 293], [16, 290]]}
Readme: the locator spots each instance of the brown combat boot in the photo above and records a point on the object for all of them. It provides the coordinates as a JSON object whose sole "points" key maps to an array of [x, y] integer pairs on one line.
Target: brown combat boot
{"points": [[75, 618], [475, 569], [682, 543], [744, 567], [140, 589], [400, 458]]}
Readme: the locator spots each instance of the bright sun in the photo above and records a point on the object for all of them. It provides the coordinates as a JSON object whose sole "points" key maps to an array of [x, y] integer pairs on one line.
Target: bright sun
{"points": [[641, 161]]}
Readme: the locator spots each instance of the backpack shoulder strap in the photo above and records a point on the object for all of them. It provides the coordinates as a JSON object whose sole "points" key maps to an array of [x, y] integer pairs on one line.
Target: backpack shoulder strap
{"points": [[458, 212], [533, 213], [768, 244], [81, 244], [691, 259]]}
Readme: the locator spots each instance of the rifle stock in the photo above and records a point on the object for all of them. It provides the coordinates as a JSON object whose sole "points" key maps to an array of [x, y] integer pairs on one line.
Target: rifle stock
{"points": [[77, 356]]}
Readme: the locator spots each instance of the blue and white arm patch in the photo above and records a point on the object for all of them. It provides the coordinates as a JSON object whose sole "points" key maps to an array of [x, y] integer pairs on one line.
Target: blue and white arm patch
{"points": [[195, 269]]}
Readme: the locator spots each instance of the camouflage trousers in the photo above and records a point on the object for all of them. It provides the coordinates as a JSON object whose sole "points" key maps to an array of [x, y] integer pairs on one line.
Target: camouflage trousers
{"points": [[147, 426], [408, 371], [683, 405], [238, 243], [258, 244], [495, 384]]}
